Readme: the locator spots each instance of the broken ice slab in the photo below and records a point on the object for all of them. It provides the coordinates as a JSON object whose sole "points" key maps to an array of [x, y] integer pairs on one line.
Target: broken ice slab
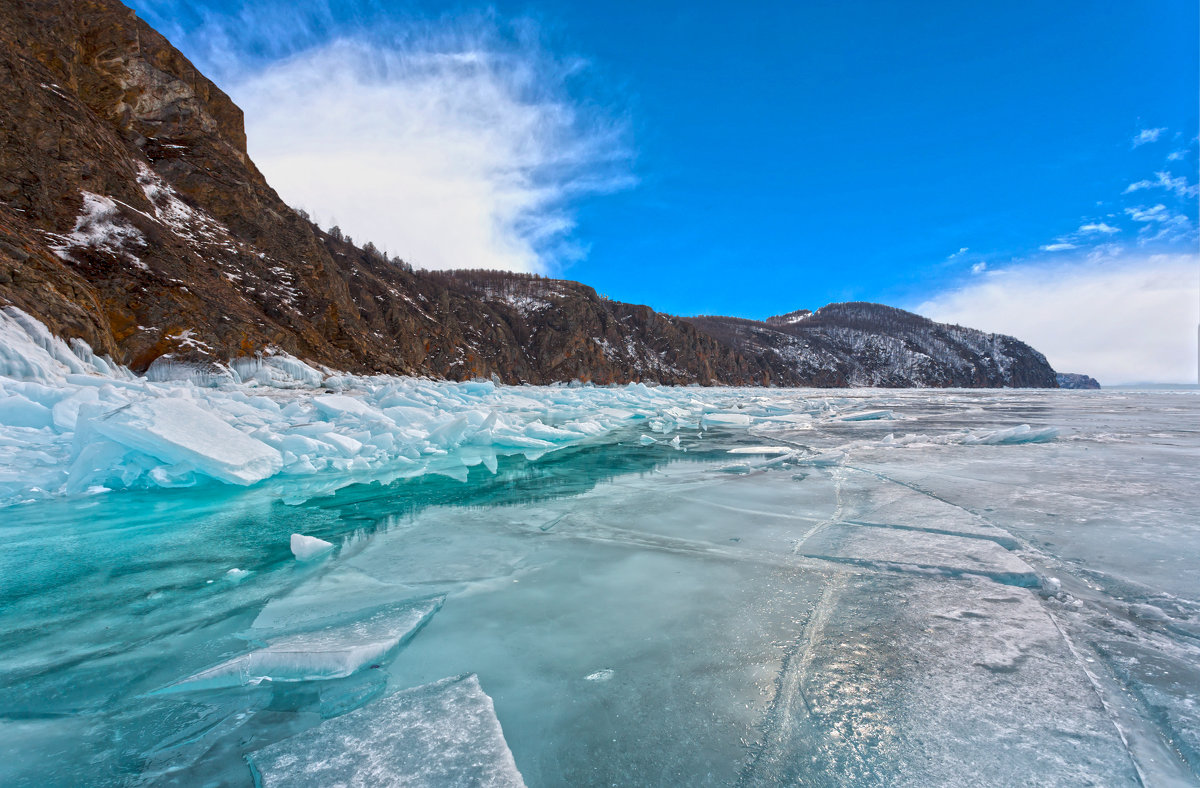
{"points": [[1011, 436], [306, 548], [440, 734], [762, 450], [726, 420], [329, 653], [915, 550], [176, 431], [337, 405], [19, 411], [869, 415]]}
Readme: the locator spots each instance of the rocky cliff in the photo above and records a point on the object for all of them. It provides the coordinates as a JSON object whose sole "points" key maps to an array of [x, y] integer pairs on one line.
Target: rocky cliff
{"points": [[132, 217], [1074, 380], [862, 344]]}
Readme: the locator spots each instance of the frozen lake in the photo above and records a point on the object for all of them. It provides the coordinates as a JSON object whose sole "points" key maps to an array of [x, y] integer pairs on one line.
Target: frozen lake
{"points": [[807, 587]]}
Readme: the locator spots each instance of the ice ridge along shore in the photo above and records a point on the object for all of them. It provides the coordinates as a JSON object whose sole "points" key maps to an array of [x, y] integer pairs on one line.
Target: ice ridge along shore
{"points": [[73, 423]]}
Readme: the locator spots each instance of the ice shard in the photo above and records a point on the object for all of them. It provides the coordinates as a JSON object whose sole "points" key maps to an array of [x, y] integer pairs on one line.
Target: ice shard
{"points": [[177, 432], [440, 734], [328, 653]]}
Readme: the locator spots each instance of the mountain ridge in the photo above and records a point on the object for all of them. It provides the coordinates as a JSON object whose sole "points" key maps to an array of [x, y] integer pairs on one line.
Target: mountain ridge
{"points": [[864, 344], [132, 217]]}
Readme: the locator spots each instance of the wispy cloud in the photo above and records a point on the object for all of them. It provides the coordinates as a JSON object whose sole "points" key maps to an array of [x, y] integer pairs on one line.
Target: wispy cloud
{"points": [[1160, 224], [1176, 184], [1130, 319], [958, 254], [1157, 213], [1105, 252], [979, 268], [1146, 136]]}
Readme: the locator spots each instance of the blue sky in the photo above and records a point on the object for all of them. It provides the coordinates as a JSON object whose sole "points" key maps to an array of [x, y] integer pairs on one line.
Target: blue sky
{"points": [[985, 162]]}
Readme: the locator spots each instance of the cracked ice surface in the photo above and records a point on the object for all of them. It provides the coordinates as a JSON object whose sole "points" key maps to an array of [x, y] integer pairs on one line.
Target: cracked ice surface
{"points": [[444, 733], [982, 587]]}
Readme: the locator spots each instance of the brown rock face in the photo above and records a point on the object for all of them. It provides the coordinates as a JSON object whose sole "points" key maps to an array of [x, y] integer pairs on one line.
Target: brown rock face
{"points": [[131, 217], [555, 330]]}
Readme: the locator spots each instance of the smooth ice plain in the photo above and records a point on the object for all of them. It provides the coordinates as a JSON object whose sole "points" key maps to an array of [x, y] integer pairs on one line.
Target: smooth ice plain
{"points": [[589, 586]]}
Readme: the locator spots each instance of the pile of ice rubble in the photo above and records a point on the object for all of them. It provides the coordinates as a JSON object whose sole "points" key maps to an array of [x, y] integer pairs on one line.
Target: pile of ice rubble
{"points": [[75, 423]]}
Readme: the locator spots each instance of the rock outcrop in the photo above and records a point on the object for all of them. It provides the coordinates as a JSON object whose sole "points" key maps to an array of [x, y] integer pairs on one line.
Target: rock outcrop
{"points": [[862, 344], [1073, 380], [131, 217]]}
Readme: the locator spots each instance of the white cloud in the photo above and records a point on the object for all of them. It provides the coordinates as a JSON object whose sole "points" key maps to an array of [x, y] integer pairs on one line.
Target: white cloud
{"points": [[1105, 252], [979, 268], [1097, 227], [1177, 184], [1176, 155], [959, 253], [1061, 246], [1147, 135], [1128, 320], [450, 153], [1178, 228], [1158, 213], [1161, 224]]}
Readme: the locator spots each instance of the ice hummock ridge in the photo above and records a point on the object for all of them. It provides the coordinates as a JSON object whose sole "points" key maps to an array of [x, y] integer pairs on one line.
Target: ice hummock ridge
{"points": [[81, 424], [73, 423]]}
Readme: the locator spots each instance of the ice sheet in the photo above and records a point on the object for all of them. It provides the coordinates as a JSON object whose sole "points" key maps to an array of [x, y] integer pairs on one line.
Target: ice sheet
{"points": [[897, 506], [872, 606], [335, 594], [440, 734], [911, 681], [954, 555], [726, 419]]}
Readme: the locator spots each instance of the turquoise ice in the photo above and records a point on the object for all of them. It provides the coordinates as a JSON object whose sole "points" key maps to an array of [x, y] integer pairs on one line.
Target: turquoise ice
{"points": [[978, 587]]}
